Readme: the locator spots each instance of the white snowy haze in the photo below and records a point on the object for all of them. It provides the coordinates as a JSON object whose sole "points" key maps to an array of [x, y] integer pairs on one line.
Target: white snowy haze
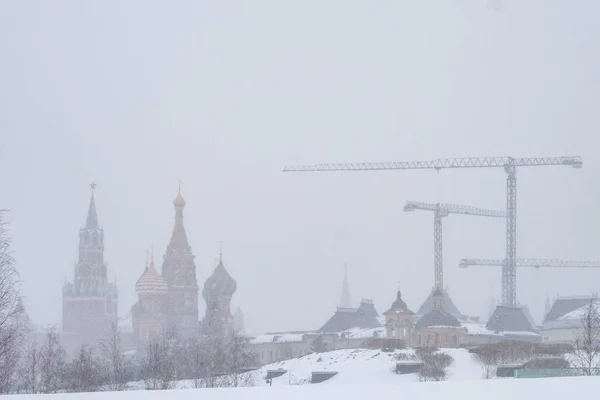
{"points": [[136, 95]]}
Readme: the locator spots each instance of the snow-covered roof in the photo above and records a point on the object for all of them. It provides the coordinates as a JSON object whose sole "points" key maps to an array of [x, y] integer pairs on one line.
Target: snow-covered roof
{"points": [[570, 320], [362, 333], [519, 333], [474, 328], [279, 337]]}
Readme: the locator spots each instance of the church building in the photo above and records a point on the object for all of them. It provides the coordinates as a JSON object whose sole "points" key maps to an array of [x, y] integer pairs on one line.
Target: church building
{"points": [[179, 272]]}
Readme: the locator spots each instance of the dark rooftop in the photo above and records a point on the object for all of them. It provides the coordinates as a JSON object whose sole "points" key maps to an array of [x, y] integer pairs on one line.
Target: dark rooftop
{"points": [[437, 317], [510, 319], [448, 305], [344, 319]]}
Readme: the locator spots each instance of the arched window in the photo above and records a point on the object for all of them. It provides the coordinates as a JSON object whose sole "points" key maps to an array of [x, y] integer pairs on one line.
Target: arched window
{"points": [[437, 339], [419, 339], [455, 339]]}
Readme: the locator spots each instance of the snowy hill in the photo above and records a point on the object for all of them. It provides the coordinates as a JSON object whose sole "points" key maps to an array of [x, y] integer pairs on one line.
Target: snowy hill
{"points": [[361, 366]]}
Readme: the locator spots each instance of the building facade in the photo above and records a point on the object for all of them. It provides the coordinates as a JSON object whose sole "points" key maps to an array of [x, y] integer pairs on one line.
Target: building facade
{"points": [[90, 301]]}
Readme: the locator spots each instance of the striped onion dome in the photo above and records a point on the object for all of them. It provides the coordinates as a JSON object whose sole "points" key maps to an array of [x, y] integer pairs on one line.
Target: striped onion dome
{"points": [[151, 282]]}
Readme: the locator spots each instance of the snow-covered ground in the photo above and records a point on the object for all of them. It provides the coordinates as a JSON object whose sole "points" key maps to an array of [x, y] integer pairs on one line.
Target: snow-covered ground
{"points": [[365, 374], [498, 389]]}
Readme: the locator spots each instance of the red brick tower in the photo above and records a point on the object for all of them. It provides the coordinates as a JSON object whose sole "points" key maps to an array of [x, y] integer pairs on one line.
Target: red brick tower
{"points": [[90, 301]]}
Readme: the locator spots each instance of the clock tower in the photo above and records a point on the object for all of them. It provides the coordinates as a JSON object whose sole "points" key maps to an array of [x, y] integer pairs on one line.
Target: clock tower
{"points": [[90, 301]]}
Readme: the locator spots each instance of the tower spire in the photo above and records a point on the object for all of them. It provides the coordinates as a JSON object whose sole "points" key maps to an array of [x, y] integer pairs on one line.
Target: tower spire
{"points": [[220, 250], [179, 237], [91, 221], [345, 301]]}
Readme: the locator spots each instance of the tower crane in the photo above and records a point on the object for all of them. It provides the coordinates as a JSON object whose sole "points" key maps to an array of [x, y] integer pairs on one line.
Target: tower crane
{"points": [[442, 210], [510, 165]]}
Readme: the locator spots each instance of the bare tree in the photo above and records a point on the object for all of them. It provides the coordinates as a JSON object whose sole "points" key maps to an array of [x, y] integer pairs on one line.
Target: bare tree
{"points": [[11, 310], [318, 344], [195, 360], [30, 371], [215, 361], [587, 344], [158, 368], [116, 366], [53, 361], [83, 373], [238, 360], [221, 357]]}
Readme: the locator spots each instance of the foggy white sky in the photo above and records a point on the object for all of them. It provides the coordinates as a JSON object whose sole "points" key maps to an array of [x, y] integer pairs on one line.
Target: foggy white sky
{"points": [[222, 95]]}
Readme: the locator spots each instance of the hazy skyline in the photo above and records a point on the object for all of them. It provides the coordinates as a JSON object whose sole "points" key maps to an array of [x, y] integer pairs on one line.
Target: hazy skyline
{"points": [[139, 95]]}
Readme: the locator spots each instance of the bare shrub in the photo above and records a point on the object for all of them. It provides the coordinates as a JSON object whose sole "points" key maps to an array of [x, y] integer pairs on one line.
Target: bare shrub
{"points": [[435, 366], [587, 344], [405, 357], [420, 352], [513, 352], [487, 356]]}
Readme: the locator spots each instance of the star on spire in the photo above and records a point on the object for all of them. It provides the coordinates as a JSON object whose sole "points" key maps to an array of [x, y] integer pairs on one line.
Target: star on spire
{"points": [[93, 187]]}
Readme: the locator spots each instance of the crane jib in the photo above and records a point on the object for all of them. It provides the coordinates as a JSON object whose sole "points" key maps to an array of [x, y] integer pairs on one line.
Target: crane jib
{"points": [[441, 163]]}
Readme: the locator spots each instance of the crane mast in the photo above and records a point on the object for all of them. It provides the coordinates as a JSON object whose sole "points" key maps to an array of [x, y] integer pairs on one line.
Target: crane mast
{"points": [[442, 210], [510, 164]]}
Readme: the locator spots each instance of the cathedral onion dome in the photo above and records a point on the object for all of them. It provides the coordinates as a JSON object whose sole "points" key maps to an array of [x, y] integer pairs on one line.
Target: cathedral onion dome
{"points": [[399, 304], [151, 282], [219, 284], [179, 200]]}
